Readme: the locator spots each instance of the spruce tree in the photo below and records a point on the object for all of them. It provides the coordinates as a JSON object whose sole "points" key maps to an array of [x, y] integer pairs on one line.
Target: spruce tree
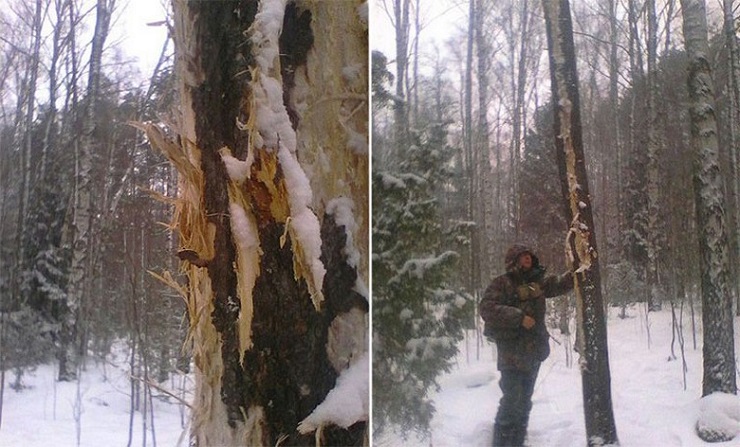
{"points": [[417, 311]]}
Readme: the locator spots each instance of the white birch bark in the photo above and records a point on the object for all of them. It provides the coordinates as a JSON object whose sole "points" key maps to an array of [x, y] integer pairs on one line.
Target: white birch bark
{"points": [[80, 266], [718, 351]]}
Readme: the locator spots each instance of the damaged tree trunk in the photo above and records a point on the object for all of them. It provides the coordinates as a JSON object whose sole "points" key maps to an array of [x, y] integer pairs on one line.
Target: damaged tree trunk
{"points": [[581, 240], [272, 215]]}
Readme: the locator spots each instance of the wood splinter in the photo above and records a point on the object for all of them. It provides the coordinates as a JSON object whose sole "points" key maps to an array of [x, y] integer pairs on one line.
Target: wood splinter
{"points": [[192, 257]]}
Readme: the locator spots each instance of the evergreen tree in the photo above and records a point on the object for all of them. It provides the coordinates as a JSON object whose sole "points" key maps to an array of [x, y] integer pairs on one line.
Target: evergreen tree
{"points": [[417, 311]]}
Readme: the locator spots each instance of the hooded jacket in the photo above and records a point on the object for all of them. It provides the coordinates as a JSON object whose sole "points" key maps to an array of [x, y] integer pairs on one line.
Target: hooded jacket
{"points": [[509, 298]]}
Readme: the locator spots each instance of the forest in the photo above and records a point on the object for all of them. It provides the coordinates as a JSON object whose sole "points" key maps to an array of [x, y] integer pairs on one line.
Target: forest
{"points": [[465, 164]]}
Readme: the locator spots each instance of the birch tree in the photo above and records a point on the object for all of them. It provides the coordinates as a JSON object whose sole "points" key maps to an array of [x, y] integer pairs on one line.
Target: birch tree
{"points": [[733, 76], [272, 216], [581, 240], [78, 282], [719, 342]]}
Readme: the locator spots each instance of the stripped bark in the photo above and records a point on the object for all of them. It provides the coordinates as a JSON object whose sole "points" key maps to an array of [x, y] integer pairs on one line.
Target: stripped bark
{"points": [[581, 240], [272, 134]]}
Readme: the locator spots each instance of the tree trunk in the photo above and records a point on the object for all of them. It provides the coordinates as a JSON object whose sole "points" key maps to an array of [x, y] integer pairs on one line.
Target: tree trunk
{"points": [[654, 289], [485, 195], [79, 269], [470, 157], [274, 257], [600, 426], [614, 102], [733, 69], [400, 108], [718, 351]]}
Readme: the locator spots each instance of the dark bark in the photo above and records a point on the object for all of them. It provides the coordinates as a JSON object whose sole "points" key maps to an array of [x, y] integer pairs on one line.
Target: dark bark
{"points": [[600, 426], [286, 371]]}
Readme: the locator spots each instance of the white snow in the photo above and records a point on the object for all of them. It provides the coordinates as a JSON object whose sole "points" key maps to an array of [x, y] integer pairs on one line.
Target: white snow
{"points": [[238, 170], [346, 403], [720, 413], [650, 405], [43, 414], [276, 133], [342, 208]]}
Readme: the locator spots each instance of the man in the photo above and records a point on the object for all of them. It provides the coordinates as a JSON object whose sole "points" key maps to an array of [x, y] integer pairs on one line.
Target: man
{"points": [[513, 309]]}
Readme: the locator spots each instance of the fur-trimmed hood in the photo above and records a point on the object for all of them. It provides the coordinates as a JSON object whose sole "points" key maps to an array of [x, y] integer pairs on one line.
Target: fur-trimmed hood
{"points": [[512, 255]]}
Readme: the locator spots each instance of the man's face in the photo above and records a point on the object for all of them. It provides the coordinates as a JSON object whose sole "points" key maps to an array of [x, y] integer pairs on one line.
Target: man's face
{"points": [[525, 262]]}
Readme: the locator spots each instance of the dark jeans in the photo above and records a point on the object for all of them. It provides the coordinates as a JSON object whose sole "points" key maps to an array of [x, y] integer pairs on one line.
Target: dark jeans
{"points": [[516, 403]]}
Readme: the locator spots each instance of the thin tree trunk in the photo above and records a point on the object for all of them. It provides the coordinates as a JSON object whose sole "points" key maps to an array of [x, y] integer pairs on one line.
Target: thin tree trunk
{"points": [[482, 144], [79, 269], [654, 290], [597, 402], [471, 166], [400, 111], [718, 351]]}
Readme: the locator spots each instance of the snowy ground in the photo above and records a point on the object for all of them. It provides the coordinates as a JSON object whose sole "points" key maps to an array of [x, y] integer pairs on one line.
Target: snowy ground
{"points": [[651, 407], [43, 414]]}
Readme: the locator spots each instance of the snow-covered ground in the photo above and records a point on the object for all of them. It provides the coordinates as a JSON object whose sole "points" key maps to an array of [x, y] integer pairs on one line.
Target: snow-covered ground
{"points": [[43, 413], [651, 407]]}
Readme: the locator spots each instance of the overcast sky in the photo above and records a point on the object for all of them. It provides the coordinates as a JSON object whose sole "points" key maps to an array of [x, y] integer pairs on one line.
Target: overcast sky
{"points": [[138, 40]]}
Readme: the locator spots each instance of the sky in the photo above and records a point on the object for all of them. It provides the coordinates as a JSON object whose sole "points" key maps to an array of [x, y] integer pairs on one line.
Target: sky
{"points": [[137, 39], [440, 20]]}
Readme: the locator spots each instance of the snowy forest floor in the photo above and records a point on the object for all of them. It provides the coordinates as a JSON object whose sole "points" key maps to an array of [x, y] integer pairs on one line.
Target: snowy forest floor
{"points": [[651, 407], [43, 413]]}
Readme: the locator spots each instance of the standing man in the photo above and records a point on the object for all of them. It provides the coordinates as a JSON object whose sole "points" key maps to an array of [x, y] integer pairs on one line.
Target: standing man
{"points": [[513, 309]]}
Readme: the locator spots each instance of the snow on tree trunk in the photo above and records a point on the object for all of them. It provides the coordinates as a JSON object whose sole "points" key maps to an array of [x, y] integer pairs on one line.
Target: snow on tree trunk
{"points": [[718, 351], [581, 240], [272, 214], [79, 269]]}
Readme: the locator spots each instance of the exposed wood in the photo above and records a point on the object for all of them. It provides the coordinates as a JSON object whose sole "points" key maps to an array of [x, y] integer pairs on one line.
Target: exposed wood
{"points": [[581, 240]]}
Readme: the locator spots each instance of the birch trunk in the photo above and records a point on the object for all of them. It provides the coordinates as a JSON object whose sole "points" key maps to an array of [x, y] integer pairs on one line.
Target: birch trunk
{"points": [[79, 269], [718, 351], [272, 214], [733, 69], [581, 240]]}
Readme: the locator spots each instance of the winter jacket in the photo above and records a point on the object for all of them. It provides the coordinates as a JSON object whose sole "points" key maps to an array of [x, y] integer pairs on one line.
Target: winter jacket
{"points": [[508, 299]]}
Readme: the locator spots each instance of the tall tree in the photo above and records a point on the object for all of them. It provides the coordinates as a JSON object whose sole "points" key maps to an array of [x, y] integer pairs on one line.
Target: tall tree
{"points": [[417, 313], [597, 402], [401, 114], [719, 341], [733, 77], [471, 158], [272, 215], [78, 282], [654, 289]]}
